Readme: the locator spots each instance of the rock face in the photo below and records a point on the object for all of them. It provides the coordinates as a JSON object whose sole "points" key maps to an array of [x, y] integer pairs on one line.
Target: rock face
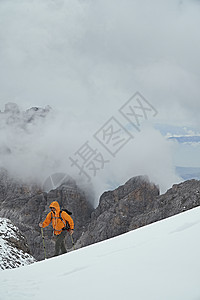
{"points": [[17, 123], [117, 209], [69, 196], [13, 115], [179, 198], [14, 250], [26, 206], [136, 204], [130, 206]]}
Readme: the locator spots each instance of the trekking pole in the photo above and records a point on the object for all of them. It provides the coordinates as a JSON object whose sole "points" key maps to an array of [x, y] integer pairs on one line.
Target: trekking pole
{"points": [[43, 243], [72, 242]]}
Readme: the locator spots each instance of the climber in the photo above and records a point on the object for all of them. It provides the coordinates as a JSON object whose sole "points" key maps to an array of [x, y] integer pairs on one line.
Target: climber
{"points": [[62, 223]]}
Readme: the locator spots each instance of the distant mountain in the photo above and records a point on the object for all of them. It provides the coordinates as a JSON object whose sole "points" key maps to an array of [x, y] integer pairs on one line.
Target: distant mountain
{"points": [[14, 122], [188, 173], [186, 139], [13, 117], [182, 134], [188, 147], [13, 114], [172, 130]]}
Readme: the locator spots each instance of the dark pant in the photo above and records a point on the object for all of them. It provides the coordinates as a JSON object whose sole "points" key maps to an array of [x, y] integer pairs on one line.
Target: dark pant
{"points": [[60, 243]]}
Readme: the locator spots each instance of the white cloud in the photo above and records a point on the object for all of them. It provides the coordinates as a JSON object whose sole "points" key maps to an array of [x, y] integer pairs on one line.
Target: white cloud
{"points": [[86, 58], [74, 53]]}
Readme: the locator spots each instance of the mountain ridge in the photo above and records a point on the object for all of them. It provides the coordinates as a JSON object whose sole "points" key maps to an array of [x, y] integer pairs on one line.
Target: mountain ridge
{"points": [[14, 251], [132, 205]]}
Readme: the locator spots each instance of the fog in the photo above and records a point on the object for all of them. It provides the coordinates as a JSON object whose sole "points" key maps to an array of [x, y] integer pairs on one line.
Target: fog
{"points": [[86, 59]]}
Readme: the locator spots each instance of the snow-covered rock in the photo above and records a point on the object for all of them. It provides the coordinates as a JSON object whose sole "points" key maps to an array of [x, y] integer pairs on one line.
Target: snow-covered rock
{"points": [[13, 247], [13, 117]]}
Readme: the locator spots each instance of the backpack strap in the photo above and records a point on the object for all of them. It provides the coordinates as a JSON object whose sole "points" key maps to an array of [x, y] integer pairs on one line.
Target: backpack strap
{"points": [[60, 216], [67, 211], [67, 227], [51, 217]]}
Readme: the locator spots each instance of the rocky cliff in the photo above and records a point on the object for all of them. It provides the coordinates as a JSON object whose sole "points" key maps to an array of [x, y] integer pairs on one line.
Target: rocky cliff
{"points": [[26, 206], [117, 209], [14, 250], [137, 203], [130, 206]]}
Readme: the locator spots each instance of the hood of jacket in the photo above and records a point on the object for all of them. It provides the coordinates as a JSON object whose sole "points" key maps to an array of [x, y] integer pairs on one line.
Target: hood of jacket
{"points": [[56, 205]]}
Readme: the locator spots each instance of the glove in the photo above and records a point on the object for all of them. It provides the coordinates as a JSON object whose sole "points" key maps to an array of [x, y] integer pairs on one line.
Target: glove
{"points": [[71, 231]]}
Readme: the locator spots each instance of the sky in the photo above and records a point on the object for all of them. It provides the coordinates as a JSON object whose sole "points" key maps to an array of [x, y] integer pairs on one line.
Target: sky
{"points": [[86, 59], [157, 261]]}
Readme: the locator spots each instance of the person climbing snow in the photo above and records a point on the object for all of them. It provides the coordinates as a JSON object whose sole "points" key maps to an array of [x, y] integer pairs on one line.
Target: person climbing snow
{"points": [[62, 223]]}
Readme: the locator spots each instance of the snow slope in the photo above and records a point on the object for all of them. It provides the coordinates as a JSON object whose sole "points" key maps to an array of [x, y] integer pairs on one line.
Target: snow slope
{"points": [[156, 262]]}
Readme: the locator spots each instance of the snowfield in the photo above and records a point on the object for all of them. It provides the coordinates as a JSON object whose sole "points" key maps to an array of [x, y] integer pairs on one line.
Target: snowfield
{"points": [[158, 262]]}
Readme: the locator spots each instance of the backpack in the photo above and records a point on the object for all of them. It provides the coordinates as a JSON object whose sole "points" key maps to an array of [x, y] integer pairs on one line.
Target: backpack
{"points": [[67, 227], [67, 211]]}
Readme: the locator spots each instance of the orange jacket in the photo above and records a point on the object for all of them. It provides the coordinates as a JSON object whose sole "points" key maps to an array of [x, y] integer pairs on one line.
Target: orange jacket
{"points": [[57, 223]]}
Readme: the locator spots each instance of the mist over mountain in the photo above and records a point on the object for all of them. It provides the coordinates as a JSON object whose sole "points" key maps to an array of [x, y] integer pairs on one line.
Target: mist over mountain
{"points": [[89, 57], [99, 109], [40, 142], [20, 140], [86, 59]]}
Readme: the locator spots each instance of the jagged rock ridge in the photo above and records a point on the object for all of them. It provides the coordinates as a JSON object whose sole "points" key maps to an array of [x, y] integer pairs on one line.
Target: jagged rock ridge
{"points": [[118, 208], [132, 205], [14, 251], [27, 206], [13, 115], [135, 204]]}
